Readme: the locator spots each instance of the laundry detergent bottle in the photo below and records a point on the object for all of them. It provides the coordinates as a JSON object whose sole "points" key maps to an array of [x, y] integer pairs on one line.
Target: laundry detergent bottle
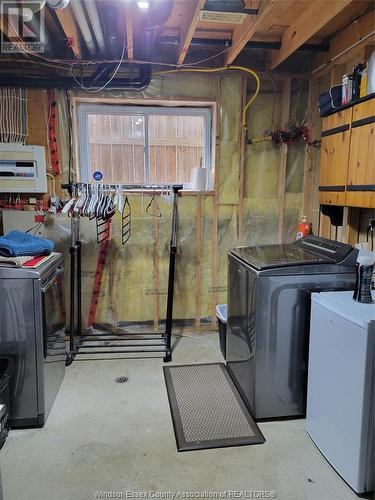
{"points": [[365, 270]]}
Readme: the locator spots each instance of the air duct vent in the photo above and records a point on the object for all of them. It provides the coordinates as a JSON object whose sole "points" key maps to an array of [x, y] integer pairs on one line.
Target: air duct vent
{"points": [[209, 16]]}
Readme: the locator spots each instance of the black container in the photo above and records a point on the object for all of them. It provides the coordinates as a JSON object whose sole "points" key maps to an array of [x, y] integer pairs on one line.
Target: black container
{"points": [[221, 314]]}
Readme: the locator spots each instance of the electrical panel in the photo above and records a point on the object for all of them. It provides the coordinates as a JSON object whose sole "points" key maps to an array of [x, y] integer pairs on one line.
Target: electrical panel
{"points": [[22, 168]]}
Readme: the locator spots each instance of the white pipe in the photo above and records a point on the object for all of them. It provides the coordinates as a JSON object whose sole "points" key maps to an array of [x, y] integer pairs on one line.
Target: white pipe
{"points": [[343, 52], [95, 23], [83, 25]]}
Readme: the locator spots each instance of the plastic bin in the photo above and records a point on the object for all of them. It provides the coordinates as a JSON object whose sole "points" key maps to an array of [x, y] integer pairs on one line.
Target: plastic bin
{"points": [[221, 314]]}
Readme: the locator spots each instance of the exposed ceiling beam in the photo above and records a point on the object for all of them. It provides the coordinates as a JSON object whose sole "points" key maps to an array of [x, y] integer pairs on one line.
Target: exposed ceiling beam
{"points": [[243, 33], [129, 30], [69, 26], [358, 34], [253, 44], [188, 31], [314, 18]]}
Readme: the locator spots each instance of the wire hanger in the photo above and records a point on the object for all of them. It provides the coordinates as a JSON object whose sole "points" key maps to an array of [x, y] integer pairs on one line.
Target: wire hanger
{"points": [[153, 208]]}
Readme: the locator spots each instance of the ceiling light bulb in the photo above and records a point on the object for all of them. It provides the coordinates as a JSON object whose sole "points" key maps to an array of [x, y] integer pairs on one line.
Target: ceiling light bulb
{"points": [[144, 5]]}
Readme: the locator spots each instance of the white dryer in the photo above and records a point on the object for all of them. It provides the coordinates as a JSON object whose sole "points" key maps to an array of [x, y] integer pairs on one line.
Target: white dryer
{"points": [[341, 390]]}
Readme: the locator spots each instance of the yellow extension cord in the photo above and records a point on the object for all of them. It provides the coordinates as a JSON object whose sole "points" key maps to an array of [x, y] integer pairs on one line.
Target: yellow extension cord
{"points": [[224, 68]]}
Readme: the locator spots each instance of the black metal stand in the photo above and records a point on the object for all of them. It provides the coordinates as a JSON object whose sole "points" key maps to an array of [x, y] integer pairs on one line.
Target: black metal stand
{"points": [[75, 316], [125, 342], [171, 274]]}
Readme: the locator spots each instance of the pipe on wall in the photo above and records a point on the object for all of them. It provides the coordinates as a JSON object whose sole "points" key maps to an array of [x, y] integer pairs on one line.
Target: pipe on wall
{"points": [[92, 12], [83, 26]]}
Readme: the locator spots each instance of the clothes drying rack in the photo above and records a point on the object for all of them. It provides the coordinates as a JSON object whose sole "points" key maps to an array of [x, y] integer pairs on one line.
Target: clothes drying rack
{"points": [[83, 342]]}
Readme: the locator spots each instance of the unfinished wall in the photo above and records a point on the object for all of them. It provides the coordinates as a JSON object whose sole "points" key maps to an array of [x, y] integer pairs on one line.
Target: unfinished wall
{"points": [[243, 209]]}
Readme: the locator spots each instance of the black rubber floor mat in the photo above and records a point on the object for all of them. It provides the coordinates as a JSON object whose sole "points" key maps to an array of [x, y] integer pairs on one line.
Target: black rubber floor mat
{"points": [[207, 410]]}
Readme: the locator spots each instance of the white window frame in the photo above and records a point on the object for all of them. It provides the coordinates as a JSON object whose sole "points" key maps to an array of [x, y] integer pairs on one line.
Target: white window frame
{"points": [[85, 109]]}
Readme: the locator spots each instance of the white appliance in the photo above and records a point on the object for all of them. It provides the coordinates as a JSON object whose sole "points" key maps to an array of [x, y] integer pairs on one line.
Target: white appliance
{"points": [[340, 392], [32, 338], [22, 168]]}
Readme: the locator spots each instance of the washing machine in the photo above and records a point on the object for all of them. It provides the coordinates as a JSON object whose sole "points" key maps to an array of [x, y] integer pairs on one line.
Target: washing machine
{"points": [[269, 300], [32, 338]]}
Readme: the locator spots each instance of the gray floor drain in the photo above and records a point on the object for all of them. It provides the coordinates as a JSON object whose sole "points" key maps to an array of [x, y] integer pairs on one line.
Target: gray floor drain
{"points": [[121, 380]]}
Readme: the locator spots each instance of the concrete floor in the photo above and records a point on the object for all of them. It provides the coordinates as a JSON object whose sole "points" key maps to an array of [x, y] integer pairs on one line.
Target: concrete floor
{"points": [[107, 437]]}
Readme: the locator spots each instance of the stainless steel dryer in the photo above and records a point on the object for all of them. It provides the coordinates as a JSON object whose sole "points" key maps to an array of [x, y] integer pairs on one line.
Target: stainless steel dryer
{"points": [[269, 289], [32, 337]]}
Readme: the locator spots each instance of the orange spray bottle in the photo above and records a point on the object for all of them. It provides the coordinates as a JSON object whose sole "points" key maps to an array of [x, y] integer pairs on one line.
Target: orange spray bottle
{"points": [[303, 228]]}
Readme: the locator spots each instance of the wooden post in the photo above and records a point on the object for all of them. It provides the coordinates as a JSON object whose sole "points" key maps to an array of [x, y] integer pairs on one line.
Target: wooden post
{"points": [[112, 280], [325, 227], [198, 261], [283, 156], [310, 202], [215, 210], [155, 272], [351, 224], [129, 30]]}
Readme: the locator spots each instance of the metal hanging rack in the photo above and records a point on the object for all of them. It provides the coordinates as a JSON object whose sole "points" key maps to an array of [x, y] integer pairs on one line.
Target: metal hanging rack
{"points": [[100, 344]]}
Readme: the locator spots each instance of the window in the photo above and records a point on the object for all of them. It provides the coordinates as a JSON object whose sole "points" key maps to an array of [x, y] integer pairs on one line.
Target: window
{"points": [[143, 145]]}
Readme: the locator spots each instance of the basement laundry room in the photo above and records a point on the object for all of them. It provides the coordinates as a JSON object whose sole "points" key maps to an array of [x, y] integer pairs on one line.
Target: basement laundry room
{"points": [[187, 224]]}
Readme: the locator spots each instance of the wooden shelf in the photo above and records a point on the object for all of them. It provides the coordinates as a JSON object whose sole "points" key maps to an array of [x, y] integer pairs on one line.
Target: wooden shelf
{"points": [[350, 104]]}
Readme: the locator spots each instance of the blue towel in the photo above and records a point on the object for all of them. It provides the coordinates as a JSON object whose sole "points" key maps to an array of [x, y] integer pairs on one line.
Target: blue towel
{"points": [[17, 243]]}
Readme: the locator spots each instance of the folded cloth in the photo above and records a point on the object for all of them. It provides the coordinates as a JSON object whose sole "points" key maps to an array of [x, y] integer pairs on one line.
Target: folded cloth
{"points": [[17, 243]]}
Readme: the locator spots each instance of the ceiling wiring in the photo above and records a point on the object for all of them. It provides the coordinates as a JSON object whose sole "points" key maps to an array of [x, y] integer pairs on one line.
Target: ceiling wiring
{"points": [[186, 67], [265, 75], [47, 116], [88, 89]]}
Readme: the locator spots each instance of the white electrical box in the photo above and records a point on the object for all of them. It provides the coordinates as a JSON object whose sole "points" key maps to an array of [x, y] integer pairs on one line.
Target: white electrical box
{"points": [[22, 220], [22, 168]]}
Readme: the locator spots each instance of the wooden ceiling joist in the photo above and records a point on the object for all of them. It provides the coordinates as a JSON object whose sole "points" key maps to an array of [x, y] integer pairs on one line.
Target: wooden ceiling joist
{"points": [[70, 28], [315, 17], [361, 33], [243, 33], [188, 31], [129, 30]]}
